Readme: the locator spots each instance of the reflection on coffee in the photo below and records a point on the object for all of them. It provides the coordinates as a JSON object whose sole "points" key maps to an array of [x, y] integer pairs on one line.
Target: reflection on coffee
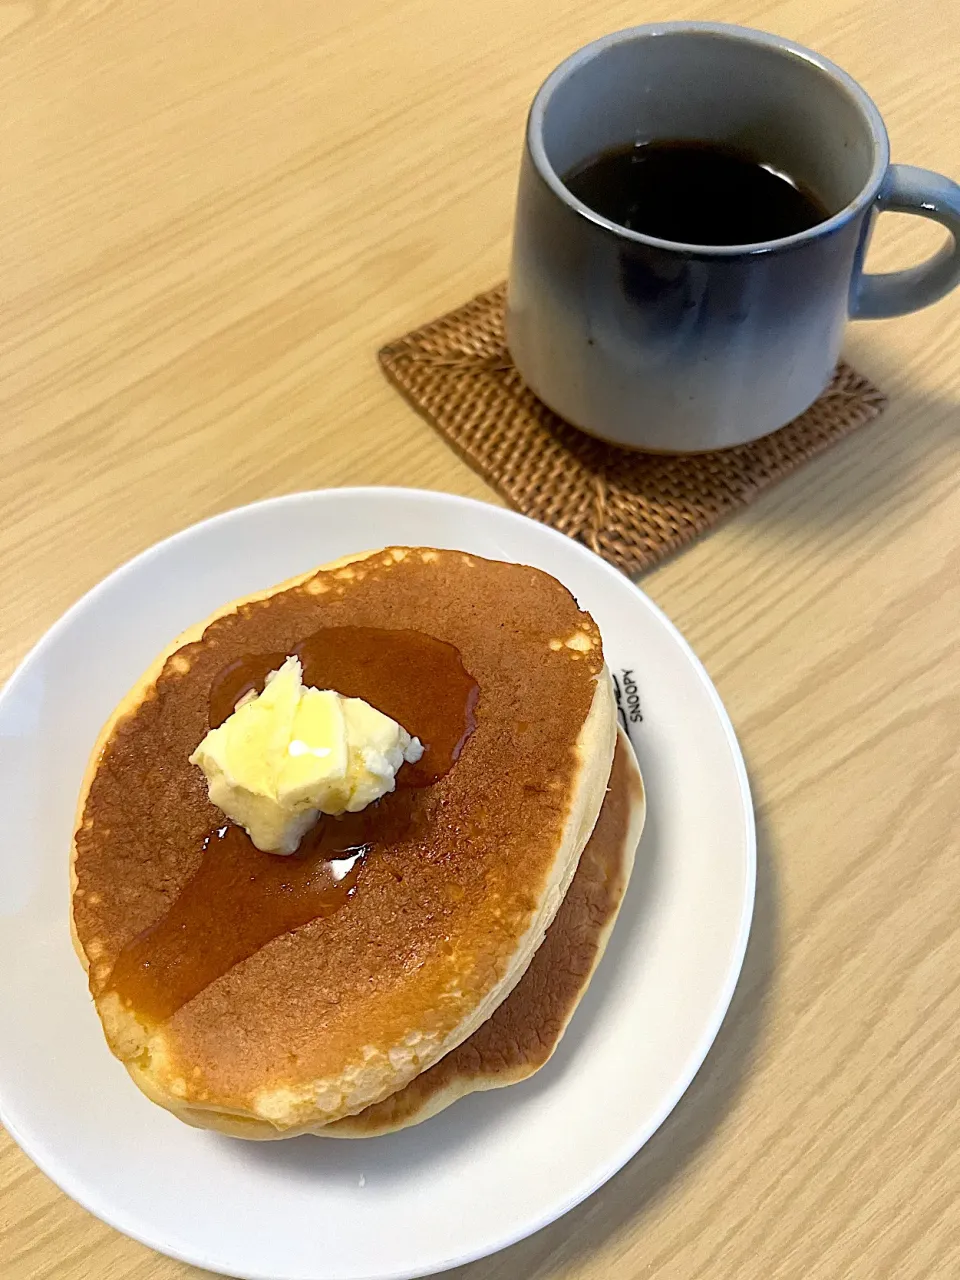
{"points": [[694, 193]]}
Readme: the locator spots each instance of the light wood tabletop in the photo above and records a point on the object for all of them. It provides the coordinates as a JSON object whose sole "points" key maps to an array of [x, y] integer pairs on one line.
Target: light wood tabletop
{"points": [[211, 216]]}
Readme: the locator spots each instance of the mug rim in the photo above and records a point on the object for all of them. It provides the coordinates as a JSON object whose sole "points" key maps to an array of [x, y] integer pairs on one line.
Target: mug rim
{"points": [[730, 31]]}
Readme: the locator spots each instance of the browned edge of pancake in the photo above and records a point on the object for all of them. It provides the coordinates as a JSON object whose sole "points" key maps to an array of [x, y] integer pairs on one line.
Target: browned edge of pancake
{"points": [[521, 1036]]}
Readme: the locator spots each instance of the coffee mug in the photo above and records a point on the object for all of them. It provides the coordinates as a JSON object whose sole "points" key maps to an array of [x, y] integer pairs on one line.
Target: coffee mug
{"points": [[678, 348]]}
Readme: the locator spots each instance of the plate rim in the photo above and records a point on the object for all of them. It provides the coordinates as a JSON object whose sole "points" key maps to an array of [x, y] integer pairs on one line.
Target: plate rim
{"points": [[628, 1148]]}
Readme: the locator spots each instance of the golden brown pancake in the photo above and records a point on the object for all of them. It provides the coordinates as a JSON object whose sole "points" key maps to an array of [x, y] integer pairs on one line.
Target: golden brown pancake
{"points": [[521, 1035], [455, 886]]}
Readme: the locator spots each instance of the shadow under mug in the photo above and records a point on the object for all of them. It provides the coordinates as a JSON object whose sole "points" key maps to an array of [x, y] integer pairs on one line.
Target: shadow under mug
{"points": [[680, 348]]}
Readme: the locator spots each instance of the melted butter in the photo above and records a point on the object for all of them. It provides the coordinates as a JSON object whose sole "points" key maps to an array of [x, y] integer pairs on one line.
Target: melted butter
{"points": [[413, 678], [239, 898]]}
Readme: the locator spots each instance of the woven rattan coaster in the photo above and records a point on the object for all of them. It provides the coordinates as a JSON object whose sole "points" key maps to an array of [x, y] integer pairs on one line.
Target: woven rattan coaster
{"points": [[631, 508]]}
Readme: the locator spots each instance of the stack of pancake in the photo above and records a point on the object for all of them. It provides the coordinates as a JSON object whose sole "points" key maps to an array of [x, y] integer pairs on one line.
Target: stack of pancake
{"points": [[435, 944]]}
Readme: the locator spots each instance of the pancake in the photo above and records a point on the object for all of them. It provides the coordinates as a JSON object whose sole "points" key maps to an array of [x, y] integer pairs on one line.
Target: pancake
{"points": [[521, 1035], [232, 1011]]}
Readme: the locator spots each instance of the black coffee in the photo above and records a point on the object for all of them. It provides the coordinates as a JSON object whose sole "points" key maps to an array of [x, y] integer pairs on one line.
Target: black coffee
{"points": [[694, 193]]}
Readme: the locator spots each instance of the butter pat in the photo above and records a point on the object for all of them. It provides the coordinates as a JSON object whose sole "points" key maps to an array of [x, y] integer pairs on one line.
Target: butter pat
{"points": [[293, 752]]}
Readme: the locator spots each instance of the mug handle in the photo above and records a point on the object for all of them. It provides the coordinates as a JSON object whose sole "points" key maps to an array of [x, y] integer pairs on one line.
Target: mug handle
{"points": [[907, 189]]}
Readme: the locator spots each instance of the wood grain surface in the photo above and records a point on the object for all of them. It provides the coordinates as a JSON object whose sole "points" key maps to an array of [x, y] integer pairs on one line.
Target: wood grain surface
{"points": [[211, 215]]}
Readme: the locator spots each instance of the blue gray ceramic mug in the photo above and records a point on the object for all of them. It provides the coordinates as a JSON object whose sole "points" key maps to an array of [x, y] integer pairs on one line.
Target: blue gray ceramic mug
{"points": [[683, 347]]}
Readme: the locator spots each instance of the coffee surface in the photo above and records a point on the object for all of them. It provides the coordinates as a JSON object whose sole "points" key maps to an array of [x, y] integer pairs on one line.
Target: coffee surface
{"points": [[694, 193]]}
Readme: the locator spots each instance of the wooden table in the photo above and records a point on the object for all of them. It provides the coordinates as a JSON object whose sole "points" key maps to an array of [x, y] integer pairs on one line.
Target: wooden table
{"points": [[211, 215]]}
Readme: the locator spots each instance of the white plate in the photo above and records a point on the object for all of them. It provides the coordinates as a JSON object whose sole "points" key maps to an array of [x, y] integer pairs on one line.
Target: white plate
{"points": [[495, 1167]]}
